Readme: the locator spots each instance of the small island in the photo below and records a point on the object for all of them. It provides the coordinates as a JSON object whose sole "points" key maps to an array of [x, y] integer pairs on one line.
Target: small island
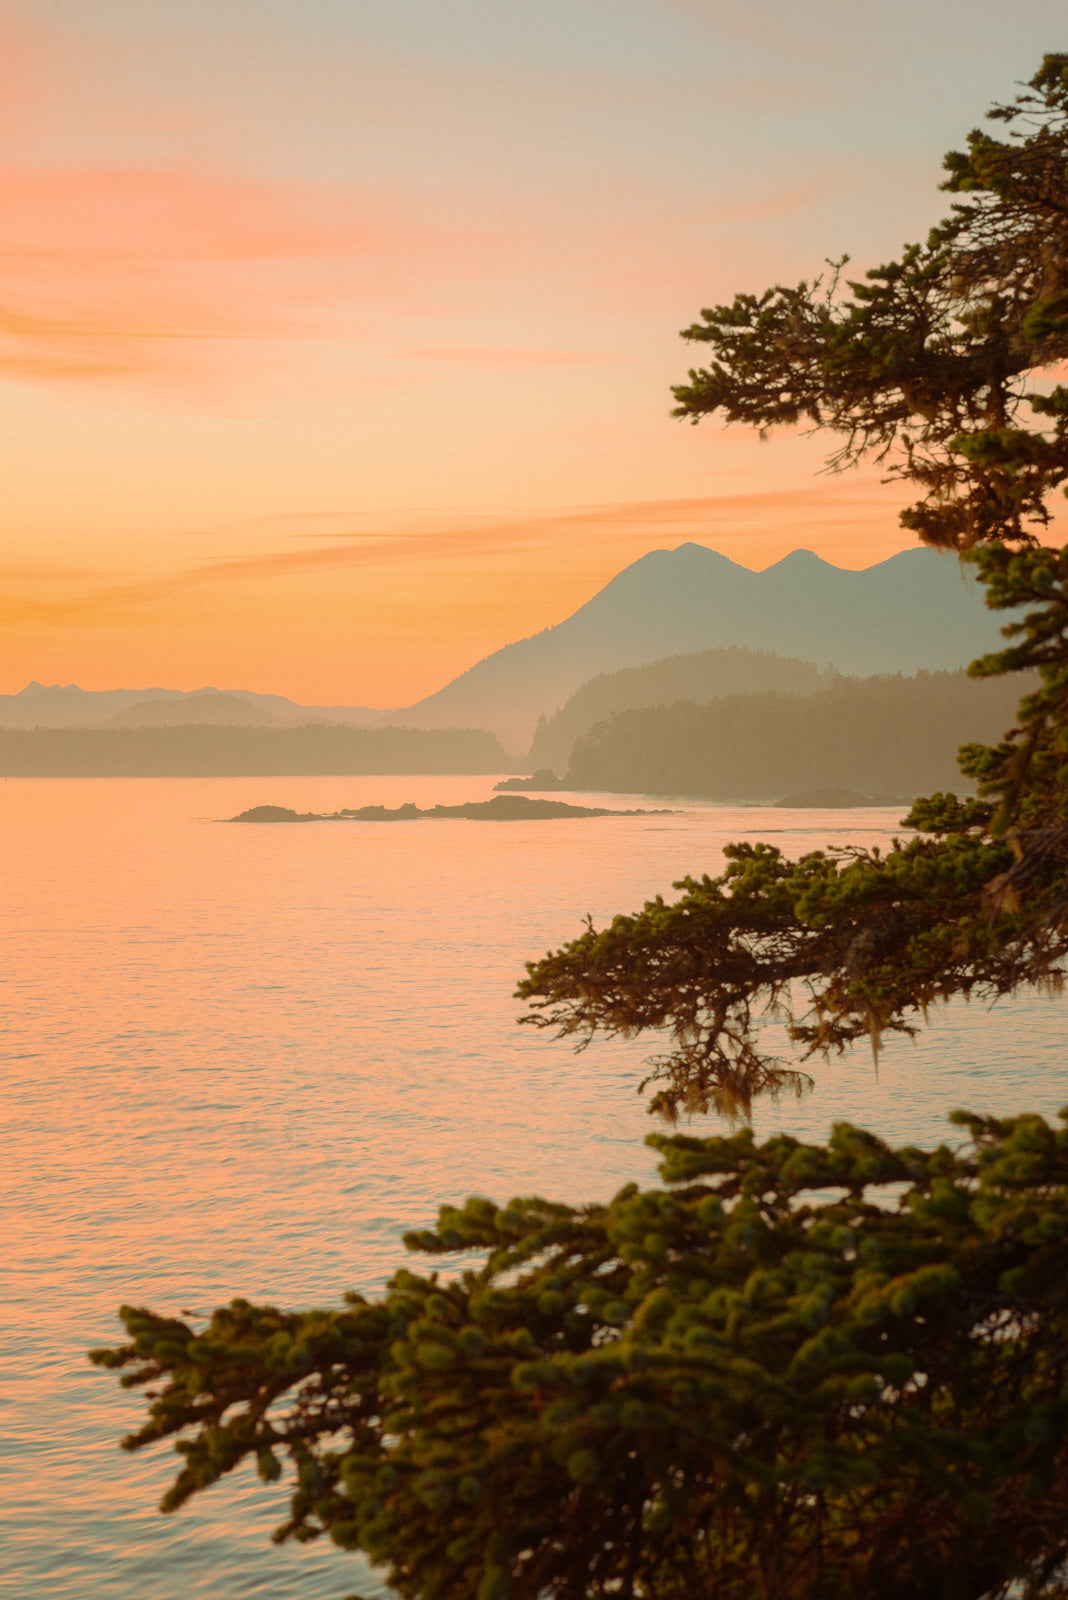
{"points": [[837, 800], [544, 778], [502, 808]]}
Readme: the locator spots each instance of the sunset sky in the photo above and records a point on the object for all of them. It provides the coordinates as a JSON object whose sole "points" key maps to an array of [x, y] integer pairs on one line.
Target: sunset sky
{"points": [[336, 336]]}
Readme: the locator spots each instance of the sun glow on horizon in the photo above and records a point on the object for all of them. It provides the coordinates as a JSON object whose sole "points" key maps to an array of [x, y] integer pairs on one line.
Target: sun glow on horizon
{"points": [[336, 346]]}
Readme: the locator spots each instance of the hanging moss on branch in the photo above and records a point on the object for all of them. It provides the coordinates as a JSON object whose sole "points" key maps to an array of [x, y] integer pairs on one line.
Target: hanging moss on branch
{"points": [[847, 944], [927, 365]]}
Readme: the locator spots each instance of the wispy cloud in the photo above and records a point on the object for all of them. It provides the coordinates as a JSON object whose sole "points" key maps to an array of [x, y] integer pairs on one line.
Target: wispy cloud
{"points": [[108, 272], [140, 272], [629, 527], [767, 207], [503, 356], [175, 262]]}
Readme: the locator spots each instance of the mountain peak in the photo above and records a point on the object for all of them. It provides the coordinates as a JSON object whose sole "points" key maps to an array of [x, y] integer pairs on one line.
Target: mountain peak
{"points": [[703, 550], [703, 553], [802, 560], [898, 615]]}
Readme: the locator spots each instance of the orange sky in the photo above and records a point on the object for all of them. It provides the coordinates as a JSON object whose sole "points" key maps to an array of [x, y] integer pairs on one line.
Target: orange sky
{"points": [[336, 341]]}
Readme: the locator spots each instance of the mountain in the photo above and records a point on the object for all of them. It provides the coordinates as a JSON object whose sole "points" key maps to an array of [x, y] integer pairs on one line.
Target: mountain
{"points": [[66, 706], [201, 708], [917, 610]]}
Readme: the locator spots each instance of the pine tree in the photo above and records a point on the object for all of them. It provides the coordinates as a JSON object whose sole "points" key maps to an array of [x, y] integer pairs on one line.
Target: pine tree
{"points": [[924, 364], [729, 1387], [794, 1371]]}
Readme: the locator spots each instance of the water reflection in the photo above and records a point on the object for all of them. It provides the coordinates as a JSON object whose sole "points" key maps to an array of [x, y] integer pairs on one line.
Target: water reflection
{"points": [[244, 1060]]}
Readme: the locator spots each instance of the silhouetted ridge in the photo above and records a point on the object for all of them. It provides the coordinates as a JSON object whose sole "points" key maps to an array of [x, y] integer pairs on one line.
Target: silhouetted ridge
{"points": [[915, 611], [704, 676], [202, 709], [207, 750], [57, 705], [878, 735]]}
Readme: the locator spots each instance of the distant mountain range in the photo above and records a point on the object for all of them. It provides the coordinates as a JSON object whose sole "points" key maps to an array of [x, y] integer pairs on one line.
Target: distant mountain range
{"points": [[67, 706], [220, 709], [918, 610]]}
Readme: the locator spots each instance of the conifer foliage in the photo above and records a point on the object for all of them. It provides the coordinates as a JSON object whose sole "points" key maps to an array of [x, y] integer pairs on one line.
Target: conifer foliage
{"points": [[849, 943], [793, 1373], [929, 364], [924, 363]]}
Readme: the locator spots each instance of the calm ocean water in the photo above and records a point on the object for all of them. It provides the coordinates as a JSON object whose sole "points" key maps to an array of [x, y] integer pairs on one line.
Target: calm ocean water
{"points": [[243, 1060]]}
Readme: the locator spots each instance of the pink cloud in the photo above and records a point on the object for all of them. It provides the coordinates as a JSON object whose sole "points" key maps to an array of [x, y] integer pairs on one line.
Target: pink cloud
{"points": [[147, 272], [153, 272], [128, 272], [105, 271], [779, 203]]}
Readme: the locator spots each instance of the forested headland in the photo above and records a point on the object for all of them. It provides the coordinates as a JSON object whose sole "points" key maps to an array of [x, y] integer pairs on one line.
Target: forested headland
{"points": [[203, 750], [700, 676], [892, 734]]}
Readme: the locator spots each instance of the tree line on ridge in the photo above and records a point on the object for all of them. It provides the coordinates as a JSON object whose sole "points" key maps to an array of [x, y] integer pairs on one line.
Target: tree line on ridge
{"points": [[893, 735]]}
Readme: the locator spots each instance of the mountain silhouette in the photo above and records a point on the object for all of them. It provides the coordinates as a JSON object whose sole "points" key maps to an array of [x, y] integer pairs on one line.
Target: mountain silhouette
{"points": [[917, 610], [706, 675], [67, 706], [196, 708]]}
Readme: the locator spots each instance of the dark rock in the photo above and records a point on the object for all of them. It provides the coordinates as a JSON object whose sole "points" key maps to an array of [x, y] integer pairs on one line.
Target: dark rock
{"points": [[542, 780], [836, 800], [502, 808], [275, 814]]}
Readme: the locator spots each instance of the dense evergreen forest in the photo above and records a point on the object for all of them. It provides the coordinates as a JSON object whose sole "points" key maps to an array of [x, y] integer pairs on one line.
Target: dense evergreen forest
{"points": [[199, 750], [891, 734], [701, 676]]}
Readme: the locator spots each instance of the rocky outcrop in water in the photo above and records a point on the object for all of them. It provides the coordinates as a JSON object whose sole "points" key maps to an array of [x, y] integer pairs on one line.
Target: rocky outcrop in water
{"points": [[837, 800], [502, 808]]}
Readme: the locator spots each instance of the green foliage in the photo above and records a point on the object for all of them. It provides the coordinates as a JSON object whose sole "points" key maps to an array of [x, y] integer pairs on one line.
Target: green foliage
{"points": [[700, 676], [796, 1371], [924, 363], [889, 734], [848, 943]]}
